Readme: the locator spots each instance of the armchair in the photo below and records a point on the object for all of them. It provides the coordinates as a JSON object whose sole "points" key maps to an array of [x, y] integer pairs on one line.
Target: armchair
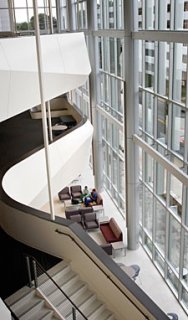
{"points": [[77, 218], [90, 221], [76, 192], [64, 194]]}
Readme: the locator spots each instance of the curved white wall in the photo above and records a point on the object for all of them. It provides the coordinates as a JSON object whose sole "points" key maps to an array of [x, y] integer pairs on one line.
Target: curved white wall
{"points": [[65, 66], [26, 182]]}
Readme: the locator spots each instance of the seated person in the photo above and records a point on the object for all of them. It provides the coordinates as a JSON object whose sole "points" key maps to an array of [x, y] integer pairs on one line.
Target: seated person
{"points": [[90, 198], [85, 193]]}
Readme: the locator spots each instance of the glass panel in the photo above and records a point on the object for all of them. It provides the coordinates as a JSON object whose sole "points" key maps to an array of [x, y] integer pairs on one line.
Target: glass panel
{"points": [[160, 181], [149, 14], [148, 210], [176, 195], [21, 17], [160, 226], [174, 241], [140, 110], [149, 110], [140, 62], [4, 20], [159, 261], [112, 55], [19, 3], [148, 243], [149, 170], [180, 72], [185, 297], [149, 64], [163, 68], [178, 129], [4, 4], [140, 202], [173, 279], [119, 58], [162, 120], [119, 14], [185, 258]]}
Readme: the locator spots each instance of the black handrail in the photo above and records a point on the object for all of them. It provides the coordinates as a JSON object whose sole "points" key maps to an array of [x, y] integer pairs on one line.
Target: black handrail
{"points": [[44, 271], [66, 234]]}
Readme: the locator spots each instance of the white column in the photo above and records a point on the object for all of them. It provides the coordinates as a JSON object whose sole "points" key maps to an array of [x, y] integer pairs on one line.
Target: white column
{"points": [[95, 116], [43, 107], [131, 125]]}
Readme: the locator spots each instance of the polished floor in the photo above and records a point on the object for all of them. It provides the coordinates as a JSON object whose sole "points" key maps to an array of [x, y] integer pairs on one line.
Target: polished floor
{"points": [[149, 279]]}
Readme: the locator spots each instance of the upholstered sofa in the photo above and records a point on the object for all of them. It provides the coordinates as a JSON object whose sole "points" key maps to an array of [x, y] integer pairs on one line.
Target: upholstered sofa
{"points": [[111, 231], [98, 202]]}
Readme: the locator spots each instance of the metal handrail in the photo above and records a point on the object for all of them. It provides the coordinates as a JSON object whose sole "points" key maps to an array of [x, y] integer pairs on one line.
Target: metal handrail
{"points": [[36, 264]]}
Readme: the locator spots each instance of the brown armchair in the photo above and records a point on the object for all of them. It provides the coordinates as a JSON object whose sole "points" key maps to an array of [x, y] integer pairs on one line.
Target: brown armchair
{"points": [[90, 220], [76, 192], [64, 194]]}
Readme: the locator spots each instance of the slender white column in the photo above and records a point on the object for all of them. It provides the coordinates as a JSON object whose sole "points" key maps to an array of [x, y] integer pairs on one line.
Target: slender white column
{"points": [[49, 121], [131, 125], [43, 106], [95, 116]]}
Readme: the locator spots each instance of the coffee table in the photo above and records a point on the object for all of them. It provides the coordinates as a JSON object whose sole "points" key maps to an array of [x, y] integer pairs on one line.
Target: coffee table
{"points": [[118, 247]]}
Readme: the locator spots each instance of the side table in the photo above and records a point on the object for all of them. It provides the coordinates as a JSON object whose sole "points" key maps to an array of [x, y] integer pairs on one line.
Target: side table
{"points": [[118, 247]]}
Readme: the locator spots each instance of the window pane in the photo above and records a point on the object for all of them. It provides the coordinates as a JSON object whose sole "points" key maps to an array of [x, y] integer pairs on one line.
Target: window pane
{"points": [[160, 226], [162, 120], [178, 129], [148, 210], [149, 109], [174, 240]]}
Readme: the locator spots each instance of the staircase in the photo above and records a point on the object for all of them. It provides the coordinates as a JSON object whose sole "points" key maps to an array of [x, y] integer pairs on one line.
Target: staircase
{"points": [[48, 302]]}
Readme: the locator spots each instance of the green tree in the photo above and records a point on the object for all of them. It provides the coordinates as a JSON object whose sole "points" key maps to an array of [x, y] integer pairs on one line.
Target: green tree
{"points": [[44, 21], [22, 26]]}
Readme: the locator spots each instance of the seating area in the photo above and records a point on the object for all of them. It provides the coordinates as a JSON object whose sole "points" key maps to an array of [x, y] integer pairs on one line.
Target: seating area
{"points": [[76, 195], [86, 217]]}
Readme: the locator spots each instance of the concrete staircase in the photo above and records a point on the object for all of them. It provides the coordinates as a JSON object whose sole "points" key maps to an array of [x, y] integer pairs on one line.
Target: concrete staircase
{"points": [[48, 302]]}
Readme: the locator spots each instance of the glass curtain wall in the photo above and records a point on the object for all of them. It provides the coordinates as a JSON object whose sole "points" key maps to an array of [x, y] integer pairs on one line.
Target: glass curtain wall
{"points": [[163, 120], [18, 16], [162, 117], [110, 98]]}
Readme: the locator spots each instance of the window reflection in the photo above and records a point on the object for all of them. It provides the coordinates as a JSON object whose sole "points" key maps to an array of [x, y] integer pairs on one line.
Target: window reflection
{"points": [[162, 120], [174, 241]]}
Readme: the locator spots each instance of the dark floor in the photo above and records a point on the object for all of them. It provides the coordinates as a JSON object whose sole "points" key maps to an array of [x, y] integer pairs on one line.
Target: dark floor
{"points": [[18, 136], [13, 271]]}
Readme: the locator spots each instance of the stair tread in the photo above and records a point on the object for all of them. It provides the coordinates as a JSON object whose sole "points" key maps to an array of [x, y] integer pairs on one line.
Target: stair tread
{"points": [[92, 307], [37, 314], [16, 296], [49, 287], [22, 308], [57, 297], [103, 315]]}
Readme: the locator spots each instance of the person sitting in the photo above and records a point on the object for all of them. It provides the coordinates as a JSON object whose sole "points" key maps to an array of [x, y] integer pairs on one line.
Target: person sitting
{"points": [[85, 193], [90, 198]]}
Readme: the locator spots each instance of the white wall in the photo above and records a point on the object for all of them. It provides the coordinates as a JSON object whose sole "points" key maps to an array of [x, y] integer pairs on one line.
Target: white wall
{"points": [[26, 182], [65, 67]]}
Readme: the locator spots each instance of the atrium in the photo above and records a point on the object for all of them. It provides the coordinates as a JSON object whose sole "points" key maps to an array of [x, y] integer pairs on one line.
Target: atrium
{"points": [[125, 70]]}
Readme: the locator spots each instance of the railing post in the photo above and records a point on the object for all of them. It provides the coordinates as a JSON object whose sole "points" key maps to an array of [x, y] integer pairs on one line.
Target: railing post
{"points": [[35, 274], [73, 313], [29, 271]]}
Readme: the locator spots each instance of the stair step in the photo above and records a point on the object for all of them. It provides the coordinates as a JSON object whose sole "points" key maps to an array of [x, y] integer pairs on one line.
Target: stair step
{"points": [[18, 295], [57, 297], [102, 314], [26, 306], [90, 307], [37, 313], [44, 281], [49, 287], [66, 307]]}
